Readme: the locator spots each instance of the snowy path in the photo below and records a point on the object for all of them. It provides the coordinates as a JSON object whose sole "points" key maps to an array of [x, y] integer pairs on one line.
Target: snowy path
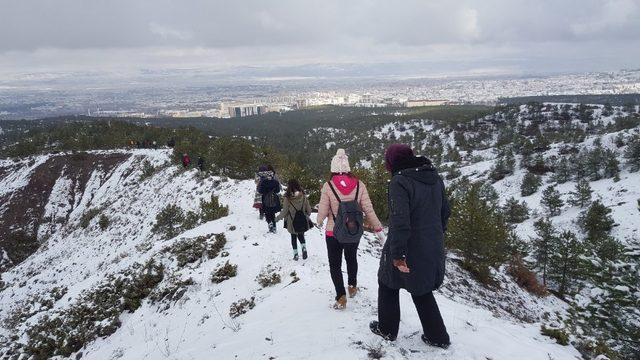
{"points": [[297, 321]]}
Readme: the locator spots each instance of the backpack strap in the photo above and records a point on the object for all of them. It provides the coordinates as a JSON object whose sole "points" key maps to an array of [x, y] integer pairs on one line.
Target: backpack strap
{"points": [[337, 197], [296, 209], [357, 191], [334, 191]]}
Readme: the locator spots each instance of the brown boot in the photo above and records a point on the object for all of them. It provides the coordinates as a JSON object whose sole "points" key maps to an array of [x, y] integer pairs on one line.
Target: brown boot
{"points": [[352, 291], [341, 303]]}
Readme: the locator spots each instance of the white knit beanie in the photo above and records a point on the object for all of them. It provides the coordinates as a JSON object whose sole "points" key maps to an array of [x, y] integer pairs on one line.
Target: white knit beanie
{"points": [[340, 162]]}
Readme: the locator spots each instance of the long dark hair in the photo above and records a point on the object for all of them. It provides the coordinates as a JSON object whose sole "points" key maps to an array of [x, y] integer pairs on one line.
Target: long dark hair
{"points": [[292, 186]]}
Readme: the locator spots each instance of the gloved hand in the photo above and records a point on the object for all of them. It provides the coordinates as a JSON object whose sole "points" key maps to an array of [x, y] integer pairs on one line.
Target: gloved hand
{"points": [[401, 264]]}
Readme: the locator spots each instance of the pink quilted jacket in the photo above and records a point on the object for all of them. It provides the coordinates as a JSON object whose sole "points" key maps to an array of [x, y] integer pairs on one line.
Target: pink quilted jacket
{"points": [[329, 206]]}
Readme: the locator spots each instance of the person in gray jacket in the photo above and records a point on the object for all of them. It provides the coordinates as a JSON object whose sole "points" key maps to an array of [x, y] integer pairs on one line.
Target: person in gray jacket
{"points": [[413, 256]]}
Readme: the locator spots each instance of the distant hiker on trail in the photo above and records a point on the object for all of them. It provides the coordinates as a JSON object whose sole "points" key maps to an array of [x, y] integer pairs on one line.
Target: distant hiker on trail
{"points": [[295, 214], [269, 188], [171, 143], [155, 144], [257, 197], [413, 257], [200, 163], [343, 201], [186, 160]]}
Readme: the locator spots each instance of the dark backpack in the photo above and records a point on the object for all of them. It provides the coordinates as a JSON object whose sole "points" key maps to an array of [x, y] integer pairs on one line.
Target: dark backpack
{"points": [[347, 228], [271, 200], [300, 221]]}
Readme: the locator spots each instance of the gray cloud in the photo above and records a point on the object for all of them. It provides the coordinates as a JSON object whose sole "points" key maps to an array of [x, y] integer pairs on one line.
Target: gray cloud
{"points": [[201, 32]]}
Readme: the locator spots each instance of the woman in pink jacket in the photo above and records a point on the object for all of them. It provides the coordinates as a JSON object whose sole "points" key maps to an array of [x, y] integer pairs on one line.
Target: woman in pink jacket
{"points": [[346, 187]]}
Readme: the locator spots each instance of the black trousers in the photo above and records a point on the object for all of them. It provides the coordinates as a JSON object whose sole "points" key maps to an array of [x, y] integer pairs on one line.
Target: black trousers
{"points": [[270, 217], [428, 311], [295, 238], [334, 252]]}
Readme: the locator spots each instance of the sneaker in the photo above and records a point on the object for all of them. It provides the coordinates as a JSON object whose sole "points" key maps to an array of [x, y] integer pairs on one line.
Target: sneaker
{"points": [[353, 290], [341, 303], [304, 255], [295, 257], [374, 327], [440, 345]]}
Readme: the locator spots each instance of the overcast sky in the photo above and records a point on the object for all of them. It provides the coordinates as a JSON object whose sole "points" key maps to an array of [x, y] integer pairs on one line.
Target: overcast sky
{"points": [[484, 35]]}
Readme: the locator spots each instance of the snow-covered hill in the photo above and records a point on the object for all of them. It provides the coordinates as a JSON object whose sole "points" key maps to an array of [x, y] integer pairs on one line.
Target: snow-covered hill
{"points": [[187, 316]]}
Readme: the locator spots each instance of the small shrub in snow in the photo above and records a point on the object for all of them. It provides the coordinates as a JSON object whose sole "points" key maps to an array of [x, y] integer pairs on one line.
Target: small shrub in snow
{"points": [[191, 220], [224, 272], [597, 350], [103, 222], [212, 210], [559, 335], [375, 351], [268, 277], [241, 306], [147, 170], [173, 289], [188, 251], [89, 215], [525, 278], [218, 244], [169, 221]]}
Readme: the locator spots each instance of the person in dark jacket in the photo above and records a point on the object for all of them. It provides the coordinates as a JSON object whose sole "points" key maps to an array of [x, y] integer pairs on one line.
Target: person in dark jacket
{"points": [[413, 256], [200, 163], [269, 187]]}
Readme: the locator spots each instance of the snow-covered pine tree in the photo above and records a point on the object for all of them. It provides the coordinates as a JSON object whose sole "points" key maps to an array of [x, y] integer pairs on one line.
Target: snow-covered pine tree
{"points": [[611, 164], [582, 194], [552, 201], [632, 153], [562, 171], [479, 232], [542, 245], [564, 261], [530, 184], [515, 212]]}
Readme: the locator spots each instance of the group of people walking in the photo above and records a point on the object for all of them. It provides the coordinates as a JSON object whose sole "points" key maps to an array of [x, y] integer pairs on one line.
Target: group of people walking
{"points": [[413, 255], [186, 162]]}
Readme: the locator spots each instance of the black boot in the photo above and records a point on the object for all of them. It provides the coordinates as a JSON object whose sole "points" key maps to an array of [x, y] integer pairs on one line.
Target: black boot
{"points": [[436, 344], [373, 326], [304, 254]]}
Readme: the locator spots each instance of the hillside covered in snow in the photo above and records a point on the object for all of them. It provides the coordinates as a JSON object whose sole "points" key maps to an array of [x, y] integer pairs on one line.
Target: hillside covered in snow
{"points": [[185, 315], [123, 254]]}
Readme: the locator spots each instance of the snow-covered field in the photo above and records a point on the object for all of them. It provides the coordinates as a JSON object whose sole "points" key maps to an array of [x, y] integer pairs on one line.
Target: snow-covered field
{"points": [[289, 320]]}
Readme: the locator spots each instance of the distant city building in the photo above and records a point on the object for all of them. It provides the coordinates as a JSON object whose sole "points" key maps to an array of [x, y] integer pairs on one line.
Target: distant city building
{"points": [[301, 103], [425, 102], [247, 110], [366, 98]]}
